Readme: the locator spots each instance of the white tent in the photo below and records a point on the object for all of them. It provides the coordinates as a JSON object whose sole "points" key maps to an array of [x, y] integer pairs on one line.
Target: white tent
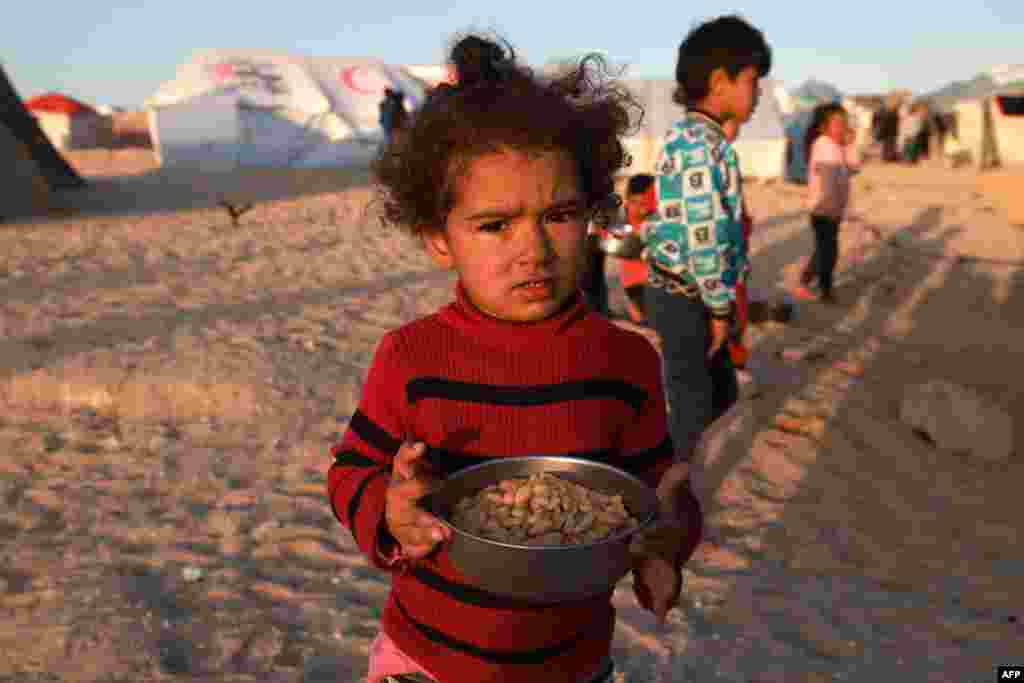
{"points": [[1009, 75], [659, 113], [992, 128], [432, 74], [70, 124], [761, 144], [235, 108]]}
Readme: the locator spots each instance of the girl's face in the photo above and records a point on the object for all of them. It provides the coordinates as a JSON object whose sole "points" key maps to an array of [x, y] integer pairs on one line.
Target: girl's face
{"points": [[516, 234], [836, 128]]}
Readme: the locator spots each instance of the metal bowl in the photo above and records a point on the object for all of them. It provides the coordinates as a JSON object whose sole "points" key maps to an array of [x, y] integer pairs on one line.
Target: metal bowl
{"points": [[545, 574], [620, 242]]}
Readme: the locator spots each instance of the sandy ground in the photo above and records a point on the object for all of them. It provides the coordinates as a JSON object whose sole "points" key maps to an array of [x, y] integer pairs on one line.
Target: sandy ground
{"points": [[171, 384]]}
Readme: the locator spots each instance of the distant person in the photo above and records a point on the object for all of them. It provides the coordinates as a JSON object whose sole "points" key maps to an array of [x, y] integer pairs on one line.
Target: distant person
{"points": [[595, 279], [695, 250], [392, 112], [387, 113], [833, 159], [641, 205], [876, 124], [496, 186], [922, 140], [888, 130], [915, 145], [401, 114], [940, 128]]}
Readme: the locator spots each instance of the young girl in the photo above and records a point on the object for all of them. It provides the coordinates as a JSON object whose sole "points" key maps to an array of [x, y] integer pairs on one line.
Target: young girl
{"points": [[832, 160], [497, 175]]}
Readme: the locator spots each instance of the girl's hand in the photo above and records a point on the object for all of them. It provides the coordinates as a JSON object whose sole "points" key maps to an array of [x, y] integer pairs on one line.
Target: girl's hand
{"points": [[417, 531], [657, 580], [657, 585]]}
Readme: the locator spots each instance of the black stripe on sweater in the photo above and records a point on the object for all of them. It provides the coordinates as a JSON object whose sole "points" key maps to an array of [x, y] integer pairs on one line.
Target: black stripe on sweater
{"points": [[353, 502], [644, 460], [471, 595], [354, 459], [544, 394], [373, 434], [497, 656], [347, 459]]}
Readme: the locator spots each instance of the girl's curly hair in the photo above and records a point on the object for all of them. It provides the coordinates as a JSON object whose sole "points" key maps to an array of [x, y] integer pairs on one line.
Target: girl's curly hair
{"points": [[497, 103]]}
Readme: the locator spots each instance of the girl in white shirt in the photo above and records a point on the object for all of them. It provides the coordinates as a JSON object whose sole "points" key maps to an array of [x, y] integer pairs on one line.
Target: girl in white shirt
{"points": [[832, 160]]}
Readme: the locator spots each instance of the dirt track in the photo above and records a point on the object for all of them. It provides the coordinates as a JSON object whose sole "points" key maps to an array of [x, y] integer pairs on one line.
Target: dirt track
{"points": [[171, 385]]}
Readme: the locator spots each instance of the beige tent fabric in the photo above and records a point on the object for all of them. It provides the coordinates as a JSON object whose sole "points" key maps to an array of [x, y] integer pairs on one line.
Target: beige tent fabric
{"points": [[76, 131], [993, 137], [1008, 131]]}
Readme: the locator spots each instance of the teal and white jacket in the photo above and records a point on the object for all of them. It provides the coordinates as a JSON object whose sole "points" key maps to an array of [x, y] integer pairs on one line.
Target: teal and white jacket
{"points": [[695, 244]]}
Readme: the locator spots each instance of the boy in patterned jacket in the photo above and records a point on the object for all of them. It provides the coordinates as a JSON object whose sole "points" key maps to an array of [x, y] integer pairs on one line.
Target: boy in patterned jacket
{"points": [[696, 249]]}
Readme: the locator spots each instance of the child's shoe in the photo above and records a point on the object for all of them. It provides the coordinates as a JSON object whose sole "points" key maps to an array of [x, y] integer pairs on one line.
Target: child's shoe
{"points": [[804, 293], [738, 354]]}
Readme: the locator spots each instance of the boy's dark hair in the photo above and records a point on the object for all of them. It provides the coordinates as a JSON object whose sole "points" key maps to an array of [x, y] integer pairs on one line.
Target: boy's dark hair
{"points": [[497, 103], [638, 184], [728, 43], [819, 117]]}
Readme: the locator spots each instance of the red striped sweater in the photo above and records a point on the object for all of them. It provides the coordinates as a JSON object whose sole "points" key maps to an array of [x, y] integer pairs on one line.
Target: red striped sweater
{"points": [[473, 387]]}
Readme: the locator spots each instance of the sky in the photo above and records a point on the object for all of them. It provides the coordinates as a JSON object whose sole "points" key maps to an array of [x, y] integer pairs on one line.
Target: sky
{"points": [[116, 52]]}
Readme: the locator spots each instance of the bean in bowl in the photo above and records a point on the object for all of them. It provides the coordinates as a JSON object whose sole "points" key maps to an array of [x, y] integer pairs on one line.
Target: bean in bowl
{"points": [[542, 509]]}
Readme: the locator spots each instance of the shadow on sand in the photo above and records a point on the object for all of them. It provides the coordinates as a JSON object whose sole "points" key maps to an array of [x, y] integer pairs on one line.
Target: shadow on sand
{"points": [[886, 550], [129, 181]]}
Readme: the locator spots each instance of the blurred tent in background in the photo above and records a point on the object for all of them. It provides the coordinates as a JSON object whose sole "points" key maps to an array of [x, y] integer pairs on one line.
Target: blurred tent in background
{"points": [[432, 74], [988, 115], [991, 128], [814, 92], [762, 141], [33, 167], [228, 109], [761, 144], [70, 124]]}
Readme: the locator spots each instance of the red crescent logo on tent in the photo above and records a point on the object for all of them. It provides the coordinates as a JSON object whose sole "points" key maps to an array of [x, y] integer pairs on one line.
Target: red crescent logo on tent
{"points": [[223, 72], [362, 81]]}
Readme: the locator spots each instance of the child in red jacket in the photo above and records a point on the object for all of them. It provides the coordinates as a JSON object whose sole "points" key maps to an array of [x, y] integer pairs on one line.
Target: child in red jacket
{"points": [[641, 202]]}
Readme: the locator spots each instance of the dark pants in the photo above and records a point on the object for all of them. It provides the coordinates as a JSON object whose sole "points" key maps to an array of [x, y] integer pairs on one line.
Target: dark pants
{"points": [[596, 287], [890, 149], [635, 294], [826, 253], [698, 391]]}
